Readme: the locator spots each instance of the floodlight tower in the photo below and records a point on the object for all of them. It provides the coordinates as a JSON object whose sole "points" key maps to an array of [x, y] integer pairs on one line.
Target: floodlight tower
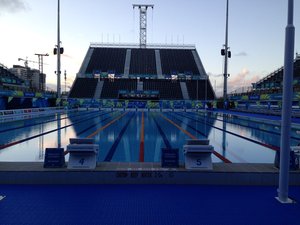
{"points": [[143, 23]]}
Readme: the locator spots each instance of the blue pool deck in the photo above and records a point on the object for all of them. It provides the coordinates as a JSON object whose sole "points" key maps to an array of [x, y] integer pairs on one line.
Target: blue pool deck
{"points": [[146, 205]]}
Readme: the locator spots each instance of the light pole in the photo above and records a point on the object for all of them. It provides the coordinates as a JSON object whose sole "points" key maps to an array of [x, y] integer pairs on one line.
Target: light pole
{"points": [[226, 54], [283, 189], [58, 51], [65, 81]]}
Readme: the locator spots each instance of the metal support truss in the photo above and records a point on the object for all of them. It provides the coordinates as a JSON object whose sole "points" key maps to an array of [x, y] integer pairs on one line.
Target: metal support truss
{"points": [[143, 23]]}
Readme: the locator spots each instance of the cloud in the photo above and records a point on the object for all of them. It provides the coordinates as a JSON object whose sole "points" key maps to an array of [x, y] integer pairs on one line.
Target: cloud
{"points": [[241, 54], [214, 75], [243, 79], [51, 87], [236, 82], [240, 78], [12, 6]]}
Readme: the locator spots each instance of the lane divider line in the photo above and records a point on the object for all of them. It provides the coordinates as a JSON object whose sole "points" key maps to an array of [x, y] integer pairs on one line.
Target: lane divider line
{"points": [[162, 134], [105, 126], [93, 125], [113, 148], [38, 135], [247, 126], [35, 124], [272, 147], [142, 141], [86, 129], [195, 138], [199, 132]]}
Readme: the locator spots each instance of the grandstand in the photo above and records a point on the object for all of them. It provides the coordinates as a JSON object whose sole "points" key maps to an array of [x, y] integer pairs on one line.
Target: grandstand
{"points": [[273, 82], [161, 72], [10, 81], [16, 93], [266, 94]]}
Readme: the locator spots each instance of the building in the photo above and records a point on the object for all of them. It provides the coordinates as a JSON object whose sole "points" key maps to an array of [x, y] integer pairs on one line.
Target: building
{"points": [[37, 81]]}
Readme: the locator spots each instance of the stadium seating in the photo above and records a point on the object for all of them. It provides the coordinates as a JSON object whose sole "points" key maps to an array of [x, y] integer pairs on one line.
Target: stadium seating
{"points": [[83, 88], [107, 59], [274, 81], [168, 90], [180, 60], [142, 62], [197, 89], [111, 88]]}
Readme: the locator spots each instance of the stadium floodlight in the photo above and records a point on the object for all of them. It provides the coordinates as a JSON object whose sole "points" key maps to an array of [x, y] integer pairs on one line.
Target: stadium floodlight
{"points": [[55, 51], [223, 53], [143, 23]]}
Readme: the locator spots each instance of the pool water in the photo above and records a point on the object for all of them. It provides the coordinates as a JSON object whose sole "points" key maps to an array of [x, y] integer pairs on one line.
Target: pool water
{"points": [[139, 136]]}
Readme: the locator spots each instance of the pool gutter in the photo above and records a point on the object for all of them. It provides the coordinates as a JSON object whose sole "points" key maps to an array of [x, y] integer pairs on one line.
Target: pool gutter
{"points": [[144, 173]]}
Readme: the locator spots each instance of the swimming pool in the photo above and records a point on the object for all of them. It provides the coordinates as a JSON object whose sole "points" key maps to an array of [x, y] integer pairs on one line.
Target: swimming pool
{"points": [[135, 136]]}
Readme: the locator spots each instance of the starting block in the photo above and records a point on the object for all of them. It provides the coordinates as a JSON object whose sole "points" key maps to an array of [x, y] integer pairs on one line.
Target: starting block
{"points": [[83, 153], [198, 155]]}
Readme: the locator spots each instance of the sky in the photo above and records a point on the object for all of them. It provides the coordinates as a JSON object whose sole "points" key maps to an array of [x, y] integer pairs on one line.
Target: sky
{"points": [[256, 33]]}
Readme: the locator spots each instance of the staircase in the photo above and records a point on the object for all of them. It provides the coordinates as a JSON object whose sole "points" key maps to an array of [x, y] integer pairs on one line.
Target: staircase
{"points": [[140, 86], [158, 64], [98, 89], [184, 91], [127, 63]]}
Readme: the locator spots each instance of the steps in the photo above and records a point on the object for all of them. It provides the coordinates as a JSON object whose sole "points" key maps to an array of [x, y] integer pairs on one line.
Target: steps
{"points": [[98, 89], [184, 91]]}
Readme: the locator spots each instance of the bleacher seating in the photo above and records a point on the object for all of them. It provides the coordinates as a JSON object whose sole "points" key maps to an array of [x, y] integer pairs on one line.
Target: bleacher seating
{"points": [[142, 62], [180, 60], [200, 86], [107, 59], [111, 87], [168, 90], [274, 81], [83, 88]]}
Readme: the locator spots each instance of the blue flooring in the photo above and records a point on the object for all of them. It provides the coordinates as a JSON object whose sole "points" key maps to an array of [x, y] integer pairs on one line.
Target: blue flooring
{"points": [[145, 204]]}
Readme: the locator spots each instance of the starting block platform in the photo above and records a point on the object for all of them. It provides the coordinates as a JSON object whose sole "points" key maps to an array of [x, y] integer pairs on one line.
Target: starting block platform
{"points": [[198, 155], [83, 153]]}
